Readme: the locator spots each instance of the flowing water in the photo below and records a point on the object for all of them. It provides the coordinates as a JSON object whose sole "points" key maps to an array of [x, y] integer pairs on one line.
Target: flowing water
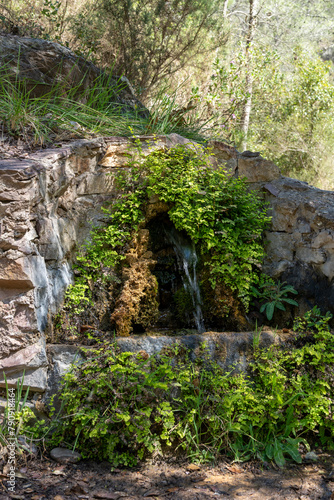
{"points": [[187, 260]]}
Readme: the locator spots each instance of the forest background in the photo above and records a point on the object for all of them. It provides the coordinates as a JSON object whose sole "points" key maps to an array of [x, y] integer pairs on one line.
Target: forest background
{"points": [[255, 73]]}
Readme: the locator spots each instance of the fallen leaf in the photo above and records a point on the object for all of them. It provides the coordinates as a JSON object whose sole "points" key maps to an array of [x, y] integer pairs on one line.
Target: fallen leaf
{"points": [[58, 472], [192, 467], [172, 490], [21, 476], [234, 469], [58, 497]]}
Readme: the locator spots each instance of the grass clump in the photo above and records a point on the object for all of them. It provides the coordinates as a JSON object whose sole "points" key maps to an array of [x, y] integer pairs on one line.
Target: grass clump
{"points": [[60, 112], [39, 114]]}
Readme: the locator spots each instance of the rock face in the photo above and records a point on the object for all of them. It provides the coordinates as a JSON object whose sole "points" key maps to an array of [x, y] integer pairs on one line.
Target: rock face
{"points": [[300, 243], [49, 200], [42, 65], [328, 54]]}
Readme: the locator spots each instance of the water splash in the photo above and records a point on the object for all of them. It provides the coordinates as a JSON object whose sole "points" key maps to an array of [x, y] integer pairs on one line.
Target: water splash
{"points": [[185, 252]]}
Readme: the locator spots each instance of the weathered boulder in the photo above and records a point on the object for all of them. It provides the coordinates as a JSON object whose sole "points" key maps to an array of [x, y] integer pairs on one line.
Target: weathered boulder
{"points": [[43, 65]]}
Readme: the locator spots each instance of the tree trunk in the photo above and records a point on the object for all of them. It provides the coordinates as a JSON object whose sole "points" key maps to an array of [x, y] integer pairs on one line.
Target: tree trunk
{"points": [[225, 9], [249, 78]]}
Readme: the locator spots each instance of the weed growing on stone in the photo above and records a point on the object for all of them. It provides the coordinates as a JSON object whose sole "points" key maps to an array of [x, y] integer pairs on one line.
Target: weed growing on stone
{"points": [[273, 295]]}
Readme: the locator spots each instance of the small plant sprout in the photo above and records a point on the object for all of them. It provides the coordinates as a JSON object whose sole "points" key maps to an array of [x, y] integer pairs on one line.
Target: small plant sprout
{"points": [[273, 296]]}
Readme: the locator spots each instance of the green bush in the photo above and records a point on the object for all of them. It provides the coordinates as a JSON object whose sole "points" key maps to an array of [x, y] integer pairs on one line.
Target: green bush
{"points": [[122, 407], [219, 215]]}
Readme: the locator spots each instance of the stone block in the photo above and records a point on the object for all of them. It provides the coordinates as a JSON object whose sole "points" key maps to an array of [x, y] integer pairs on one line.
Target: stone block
{"points": [[283, 215], [15, 274], [324, 239], [279, 246], [328, 267], [32, 356], [310, 255], [29, 364], [276, 269], [36, 379], [257, 169]]}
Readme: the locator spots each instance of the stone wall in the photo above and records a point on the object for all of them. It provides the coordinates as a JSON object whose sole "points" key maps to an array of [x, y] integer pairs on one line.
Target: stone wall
{"points": [[49, 200], [48, 203]]}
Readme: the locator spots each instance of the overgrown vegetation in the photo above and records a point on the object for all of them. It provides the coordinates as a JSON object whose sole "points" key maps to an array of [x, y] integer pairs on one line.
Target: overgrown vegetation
{"points": [[64, 113], [216, 211], [123, 407]]}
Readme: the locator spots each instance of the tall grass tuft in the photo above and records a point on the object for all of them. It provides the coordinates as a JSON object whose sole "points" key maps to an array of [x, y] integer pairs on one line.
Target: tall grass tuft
{"points": [[63, 113]]}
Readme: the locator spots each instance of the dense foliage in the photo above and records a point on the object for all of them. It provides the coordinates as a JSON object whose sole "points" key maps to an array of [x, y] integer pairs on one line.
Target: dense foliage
{"points": [[122, 406], [220, 216]]}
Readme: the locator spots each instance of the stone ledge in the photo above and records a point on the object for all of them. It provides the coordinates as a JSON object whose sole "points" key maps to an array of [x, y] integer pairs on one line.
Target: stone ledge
{"points": [[231, 350]]}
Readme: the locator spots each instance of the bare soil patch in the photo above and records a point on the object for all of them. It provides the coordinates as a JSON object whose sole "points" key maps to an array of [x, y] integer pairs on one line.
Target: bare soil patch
{"points": [[44, 479]]}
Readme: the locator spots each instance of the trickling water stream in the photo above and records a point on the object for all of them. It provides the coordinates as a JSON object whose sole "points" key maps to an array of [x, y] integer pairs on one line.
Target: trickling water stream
{"points": [[187, 260]]}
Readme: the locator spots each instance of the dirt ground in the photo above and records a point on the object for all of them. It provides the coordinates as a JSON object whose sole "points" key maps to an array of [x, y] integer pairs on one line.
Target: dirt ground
{"points": [[46, 480]]}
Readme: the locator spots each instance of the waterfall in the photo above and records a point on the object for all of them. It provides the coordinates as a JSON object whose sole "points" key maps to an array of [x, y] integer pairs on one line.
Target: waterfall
{"points": [[187, 260]]}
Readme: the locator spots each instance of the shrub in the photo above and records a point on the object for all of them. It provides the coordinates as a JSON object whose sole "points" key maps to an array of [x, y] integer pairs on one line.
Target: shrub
{"points": [[216, 211], [123, 406]]}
